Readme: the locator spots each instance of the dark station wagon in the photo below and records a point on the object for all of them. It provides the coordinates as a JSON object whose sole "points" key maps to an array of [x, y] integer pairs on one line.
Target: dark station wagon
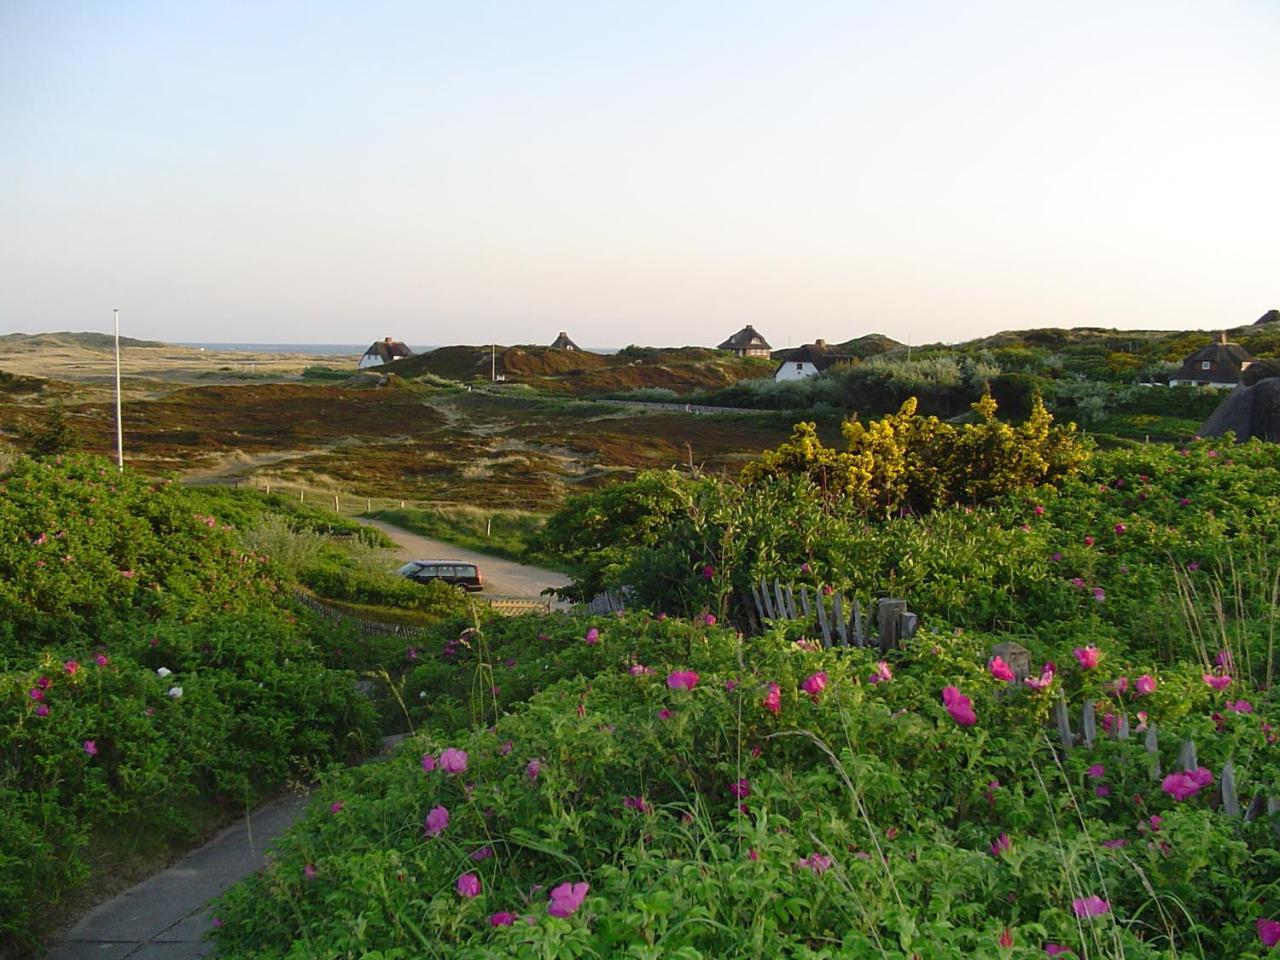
{"points": [[458, 572]]}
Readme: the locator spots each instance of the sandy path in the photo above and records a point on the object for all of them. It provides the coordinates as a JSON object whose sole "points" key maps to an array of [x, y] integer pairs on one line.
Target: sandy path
{"points": [[502, 578]]}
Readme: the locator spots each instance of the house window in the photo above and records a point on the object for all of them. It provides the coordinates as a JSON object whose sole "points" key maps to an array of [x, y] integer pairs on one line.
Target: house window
{"points": [[799, 367], [1206, 364]]}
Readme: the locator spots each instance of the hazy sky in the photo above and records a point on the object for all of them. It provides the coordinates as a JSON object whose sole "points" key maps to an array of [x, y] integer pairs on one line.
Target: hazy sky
{"points": [[650, 172]]}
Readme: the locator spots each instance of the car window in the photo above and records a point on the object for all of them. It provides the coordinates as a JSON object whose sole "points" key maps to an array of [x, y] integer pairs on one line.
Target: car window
{"points": [[468, 571]]}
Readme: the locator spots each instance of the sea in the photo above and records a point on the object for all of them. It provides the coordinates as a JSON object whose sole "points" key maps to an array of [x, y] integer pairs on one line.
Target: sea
{"points": [[325, 349], [317, 349]]}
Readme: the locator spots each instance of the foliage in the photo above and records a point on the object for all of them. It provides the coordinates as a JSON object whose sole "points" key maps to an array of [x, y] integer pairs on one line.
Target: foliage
{"points": [[153, 680], [858, 821], [908, 462]]}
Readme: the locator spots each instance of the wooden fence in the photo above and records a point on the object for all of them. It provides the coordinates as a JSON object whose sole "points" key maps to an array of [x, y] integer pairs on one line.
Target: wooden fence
{"points": [[1088, 735], [841, 625]]}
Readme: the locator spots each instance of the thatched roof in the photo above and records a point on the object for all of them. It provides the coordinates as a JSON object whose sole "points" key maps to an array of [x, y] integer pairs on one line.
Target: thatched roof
{"points": [[1225, 361], [1248, 412], [387, 350], [744, 339], [563, 342], [816, 353]]}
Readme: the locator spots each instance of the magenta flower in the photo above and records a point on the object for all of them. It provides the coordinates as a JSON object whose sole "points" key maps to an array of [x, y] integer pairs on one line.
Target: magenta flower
{"points": [[428, 762], [708, 571], [636, 803], [91, 747], [592, 637], [1056, 556], [1088, 656], [1223, 659], [309, 871], [1088, 541], [773, 699], [502, 918], [506, 748], [468, 886], [639, 670], [336, 806], [1118, 685], [1001, 844], [453, 760], [567, 898], [741, 789], [101, 660], [1099, 594], [814, 685], [533, 769], [1038, 510], [35, 693], [1096, 772], [1054, 949], [1120, 528], [959, 706], [437, 820], [484, 853], [731, 685], [71, 666], [805, 568], [1269, 932], [1193, 566], [665, 714], [1240, 706], [682, 680], [1000, 670], [1091, 906], [1145, 685], [880, 673], [709, 619], [817, 862], [1217, 682], [1182, 785], [1102, 790], [42, 710], [1077, 582], [44, 683], [1045, 678]]}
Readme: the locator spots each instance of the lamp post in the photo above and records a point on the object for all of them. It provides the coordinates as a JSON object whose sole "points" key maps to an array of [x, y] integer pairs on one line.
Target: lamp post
{"points": [[115, 314]]}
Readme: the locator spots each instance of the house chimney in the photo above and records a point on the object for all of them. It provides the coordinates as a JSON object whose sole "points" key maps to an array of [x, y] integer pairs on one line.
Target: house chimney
{"points": [[386, 340], [820, 344]]}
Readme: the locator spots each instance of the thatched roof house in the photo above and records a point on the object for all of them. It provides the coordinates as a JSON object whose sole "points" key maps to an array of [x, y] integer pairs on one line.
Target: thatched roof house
{"points": [[563, 342], [384, 351], [1248, 412], [747, 343], [1217, 365], [809, 360]]}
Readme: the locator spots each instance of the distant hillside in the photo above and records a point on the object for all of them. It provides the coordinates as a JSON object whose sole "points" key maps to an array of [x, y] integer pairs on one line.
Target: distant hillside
{"points": [[580, 373], [85, 340]]}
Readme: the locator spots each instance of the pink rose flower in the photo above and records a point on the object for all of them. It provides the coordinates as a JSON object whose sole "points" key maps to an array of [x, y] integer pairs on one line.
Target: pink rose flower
{"points": [[1000, 670], [1088, 656], [959, 706], [814, 685], [1091, 906], [682, 680], [437, 820], [468, 886], [567, 898]]}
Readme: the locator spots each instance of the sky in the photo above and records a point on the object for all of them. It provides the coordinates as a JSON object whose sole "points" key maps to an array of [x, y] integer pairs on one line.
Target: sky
{"points": [[658, 173]]}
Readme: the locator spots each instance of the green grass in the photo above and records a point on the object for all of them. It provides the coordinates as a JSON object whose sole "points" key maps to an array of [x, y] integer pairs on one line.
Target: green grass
{"points": [[499, 533]]}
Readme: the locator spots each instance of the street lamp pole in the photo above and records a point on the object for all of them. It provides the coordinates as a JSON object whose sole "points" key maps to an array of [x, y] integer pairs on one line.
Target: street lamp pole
{"points": [[115, 314]]}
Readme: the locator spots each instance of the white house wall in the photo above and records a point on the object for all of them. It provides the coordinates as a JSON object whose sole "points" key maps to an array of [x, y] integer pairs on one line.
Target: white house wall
{"points": [[795, 371]]}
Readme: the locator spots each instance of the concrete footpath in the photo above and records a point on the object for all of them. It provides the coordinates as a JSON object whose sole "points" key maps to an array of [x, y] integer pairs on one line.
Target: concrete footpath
{"points": [[166, 916]]}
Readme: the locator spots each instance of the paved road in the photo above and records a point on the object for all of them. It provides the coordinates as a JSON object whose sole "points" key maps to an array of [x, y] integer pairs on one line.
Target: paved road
{"points": [[502, 578]]}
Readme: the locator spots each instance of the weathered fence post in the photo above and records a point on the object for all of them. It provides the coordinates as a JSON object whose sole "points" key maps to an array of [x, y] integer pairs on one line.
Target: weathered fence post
{"points": [[859, 638], [1016, 657], [804, 602], [1122, 733], [888, 611], [1230, 802], [1187, 756], [837, 615], [1064, 723], [1089, 723], [755, 596], [822, 621], [768, 600]]}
